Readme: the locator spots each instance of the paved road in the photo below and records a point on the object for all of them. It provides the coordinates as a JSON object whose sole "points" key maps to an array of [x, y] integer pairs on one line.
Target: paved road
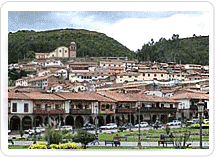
{"points": [[134, 144]]}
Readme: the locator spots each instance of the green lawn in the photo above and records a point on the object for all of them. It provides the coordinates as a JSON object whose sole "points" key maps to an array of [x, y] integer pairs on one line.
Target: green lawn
{"points": [[154, 134], [105, 148]]}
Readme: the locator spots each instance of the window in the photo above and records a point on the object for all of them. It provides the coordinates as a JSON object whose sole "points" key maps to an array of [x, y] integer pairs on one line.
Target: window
{"points": [[14, 107], [38, 106], [155, 75], [25, 107], [121, 76], [148, 75], [171, 105], [107, 106], [129, 76], [65, 51], [60, 51], [143, 74], [162, 105], [161, 75], [56, 106]]}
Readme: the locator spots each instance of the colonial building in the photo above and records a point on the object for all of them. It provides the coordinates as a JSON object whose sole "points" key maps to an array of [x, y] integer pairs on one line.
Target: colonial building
{"points": [[59, 52]]}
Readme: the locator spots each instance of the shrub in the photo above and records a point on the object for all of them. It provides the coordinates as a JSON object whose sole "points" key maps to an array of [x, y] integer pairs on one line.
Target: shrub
{"points": [[55, 136], [67, 136], [83, 137], [198, 125], [38, 146], [54, 146]]}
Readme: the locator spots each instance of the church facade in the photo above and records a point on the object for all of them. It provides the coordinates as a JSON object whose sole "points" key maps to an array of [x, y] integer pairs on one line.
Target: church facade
{"points": [[59, 52]]}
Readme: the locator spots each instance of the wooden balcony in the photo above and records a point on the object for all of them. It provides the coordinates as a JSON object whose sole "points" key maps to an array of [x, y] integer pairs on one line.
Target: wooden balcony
{"points": [[126, 110], [107, 111], [80, 111], [49, 112], [158, 110]]}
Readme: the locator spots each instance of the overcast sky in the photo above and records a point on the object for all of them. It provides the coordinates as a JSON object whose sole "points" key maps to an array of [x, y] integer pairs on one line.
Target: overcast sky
{"points": [[131, 28]]}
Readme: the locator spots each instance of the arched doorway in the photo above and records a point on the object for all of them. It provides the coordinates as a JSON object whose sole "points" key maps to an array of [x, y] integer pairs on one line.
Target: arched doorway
{"points": [[79, 122], [132, 119], [91, 120], [69, 120], [108, 119], [117, 120], [51, 121], [15, 123], [100, 121], [26, 123], [61, 121], [39, 121]]}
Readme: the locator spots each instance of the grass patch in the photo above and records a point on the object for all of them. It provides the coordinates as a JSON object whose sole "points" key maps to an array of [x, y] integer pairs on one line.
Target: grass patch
{"points": [[153, 135], [137, 148], [18, 146]]}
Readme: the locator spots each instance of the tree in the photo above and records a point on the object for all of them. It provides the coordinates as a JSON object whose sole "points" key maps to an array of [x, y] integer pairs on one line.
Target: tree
{"points": [[30, 55], [83, 137], [55, 136]]}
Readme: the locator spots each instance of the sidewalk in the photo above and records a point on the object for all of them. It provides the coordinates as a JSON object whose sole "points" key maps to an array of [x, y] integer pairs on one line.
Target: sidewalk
{"points": [[128, 144]]}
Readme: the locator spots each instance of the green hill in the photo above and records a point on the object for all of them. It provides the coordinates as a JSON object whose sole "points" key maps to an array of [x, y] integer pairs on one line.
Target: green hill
{"points": [[192, 50], [89, 43]]}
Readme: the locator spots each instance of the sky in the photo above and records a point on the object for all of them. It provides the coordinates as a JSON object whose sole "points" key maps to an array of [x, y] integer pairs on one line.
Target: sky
{"points": [[131, 28]]}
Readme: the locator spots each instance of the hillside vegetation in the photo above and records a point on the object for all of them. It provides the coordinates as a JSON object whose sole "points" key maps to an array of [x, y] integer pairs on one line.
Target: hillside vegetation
{"points": [[89, 43], [192, 50]]}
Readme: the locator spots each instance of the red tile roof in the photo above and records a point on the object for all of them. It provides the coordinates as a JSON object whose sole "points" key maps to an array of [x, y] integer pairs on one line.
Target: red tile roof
{"points": [[118, 96], [41, 96], [77, 96], [149, 98], [17, 96], [191, 96]]}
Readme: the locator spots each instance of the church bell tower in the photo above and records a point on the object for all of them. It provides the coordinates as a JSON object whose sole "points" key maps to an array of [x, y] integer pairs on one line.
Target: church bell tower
{"points": [[72, 50]]}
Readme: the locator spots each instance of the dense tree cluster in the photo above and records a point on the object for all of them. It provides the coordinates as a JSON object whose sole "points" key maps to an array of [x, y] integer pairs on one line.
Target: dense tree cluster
{"points": [[193, 50]]}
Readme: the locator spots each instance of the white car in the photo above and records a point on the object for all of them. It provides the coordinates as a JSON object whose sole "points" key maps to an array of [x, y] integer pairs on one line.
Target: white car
{"points": [[174, 123], [109, 126], [142, 124], [67, 128], [32, 131], [41, 129], [206, 121]]}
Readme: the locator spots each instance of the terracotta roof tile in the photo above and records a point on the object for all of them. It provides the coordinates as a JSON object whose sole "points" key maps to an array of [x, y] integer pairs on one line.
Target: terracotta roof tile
{"points": [[41, 96], [17, 96]]}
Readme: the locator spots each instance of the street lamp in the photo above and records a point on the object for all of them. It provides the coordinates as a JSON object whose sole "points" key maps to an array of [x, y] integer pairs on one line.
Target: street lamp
{"points": [[200, 106], [34, 130], [96, 121], [139, 143], [48, 143]]}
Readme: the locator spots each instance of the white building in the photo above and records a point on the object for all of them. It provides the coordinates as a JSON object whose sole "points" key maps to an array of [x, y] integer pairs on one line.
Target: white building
{"points": [[53, 63]]}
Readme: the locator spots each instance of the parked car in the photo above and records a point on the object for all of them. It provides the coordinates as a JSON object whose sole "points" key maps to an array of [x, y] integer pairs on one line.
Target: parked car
{"points": [[188, 123], [41, 129], [195, 120], [33, 131], [67, 128], [125, 126], [206, 121], [109, 126], [174, 123], [89, 127], [157, 124], [142, 124]]}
